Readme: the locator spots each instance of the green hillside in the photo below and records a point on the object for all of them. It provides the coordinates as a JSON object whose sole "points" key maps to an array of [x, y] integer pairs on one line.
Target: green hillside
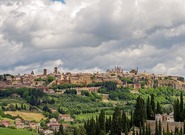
{"points": [[8, 131]]}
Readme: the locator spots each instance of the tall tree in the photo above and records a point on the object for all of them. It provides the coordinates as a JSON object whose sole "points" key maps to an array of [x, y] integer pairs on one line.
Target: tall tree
{"points": [[140, 112], [153, 105], [123, 121], [181, 107], [160, 128], [177, 110], [116, 122], [108, 124], [102, 120], [61, 130], [158, 109]]}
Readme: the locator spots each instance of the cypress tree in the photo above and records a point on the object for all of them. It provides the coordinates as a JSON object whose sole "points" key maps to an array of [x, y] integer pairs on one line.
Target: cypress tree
{"points": [[102, 120], [61, 130], [143, 132], [181, 107], [153, 102], [181, 102], [160, 128], [131, 119], [140, 128], [16, 106], [76, 131], [116, 122], [140, 112], [92, 127], [126, 130], [158, 110], [108, 124], [156, 128], [123, 121], [97, 125], [177, 110]]}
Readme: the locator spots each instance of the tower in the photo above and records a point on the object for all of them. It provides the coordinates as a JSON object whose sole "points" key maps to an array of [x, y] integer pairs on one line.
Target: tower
{"points": [[45, 71], [55, 70]]}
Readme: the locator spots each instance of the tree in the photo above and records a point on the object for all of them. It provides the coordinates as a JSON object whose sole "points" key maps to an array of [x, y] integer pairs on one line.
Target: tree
{"points": [[160, 128], [153, 105], [108, 124], [116, 122], [181, 102], [61, 130], [50, 79], [123, 121], [158, 110], [139, 113], [156, 128], [181, 107], [176, 110], [102, 120], [80, 131]]}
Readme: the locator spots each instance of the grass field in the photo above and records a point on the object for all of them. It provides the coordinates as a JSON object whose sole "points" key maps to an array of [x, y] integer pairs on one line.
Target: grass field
{"points": [[82, 117], [27, 115], [8, 131]]}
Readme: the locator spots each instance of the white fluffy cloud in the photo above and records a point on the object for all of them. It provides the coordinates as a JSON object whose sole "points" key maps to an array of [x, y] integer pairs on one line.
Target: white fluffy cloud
{"points": [[92, 35]]}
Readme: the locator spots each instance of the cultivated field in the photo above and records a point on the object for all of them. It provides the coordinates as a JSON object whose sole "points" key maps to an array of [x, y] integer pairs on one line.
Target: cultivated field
{"points": [[8, 131], [27, 115]]}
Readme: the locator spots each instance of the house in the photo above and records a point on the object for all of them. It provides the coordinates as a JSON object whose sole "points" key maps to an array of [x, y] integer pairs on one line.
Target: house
{"points": [[53, 110], [53, 124], [158, 117], [164, 117], [19, 123], [5, 123], [33, 125], [65, 117], [48, 132], [168, 117]]}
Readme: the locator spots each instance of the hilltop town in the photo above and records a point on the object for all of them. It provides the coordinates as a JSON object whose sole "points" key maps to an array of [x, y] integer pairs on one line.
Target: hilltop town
{"points": [[44, 102], [132, 79]]}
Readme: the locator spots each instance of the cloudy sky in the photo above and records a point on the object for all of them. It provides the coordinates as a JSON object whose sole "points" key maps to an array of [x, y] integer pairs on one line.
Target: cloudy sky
{"points": [[91, 35]]}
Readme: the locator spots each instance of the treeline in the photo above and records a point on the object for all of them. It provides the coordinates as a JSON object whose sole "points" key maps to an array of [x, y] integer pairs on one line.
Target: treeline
{"points": [[67, 86], [119, 122], [108, 85], [32, 96], [113, 125]]}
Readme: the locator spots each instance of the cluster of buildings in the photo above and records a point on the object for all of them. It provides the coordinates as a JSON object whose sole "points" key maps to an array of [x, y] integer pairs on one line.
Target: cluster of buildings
{"points": [[20, 124], [132, 79], [167, 123], [52, 126]]}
